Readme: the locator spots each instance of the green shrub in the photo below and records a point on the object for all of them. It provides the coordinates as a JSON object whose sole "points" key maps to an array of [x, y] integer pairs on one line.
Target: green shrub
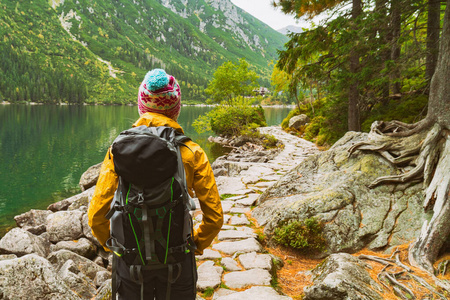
{"points": [[228, 120], [305, 236]]}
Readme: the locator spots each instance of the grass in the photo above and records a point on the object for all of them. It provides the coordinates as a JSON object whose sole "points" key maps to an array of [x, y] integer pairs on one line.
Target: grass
{"points": [[226, 196]]}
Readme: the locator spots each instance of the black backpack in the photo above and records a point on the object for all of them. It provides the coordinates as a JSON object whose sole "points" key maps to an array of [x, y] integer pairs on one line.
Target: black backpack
{"points": [[151, 225]]}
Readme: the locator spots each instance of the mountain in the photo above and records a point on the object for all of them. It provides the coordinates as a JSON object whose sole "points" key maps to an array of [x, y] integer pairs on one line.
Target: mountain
{"points": [[99, 51], [290, 29]]}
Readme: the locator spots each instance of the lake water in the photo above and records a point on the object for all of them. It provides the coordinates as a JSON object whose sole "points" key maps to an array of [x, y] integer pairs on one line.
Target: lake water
{"points": [[44, 149]]}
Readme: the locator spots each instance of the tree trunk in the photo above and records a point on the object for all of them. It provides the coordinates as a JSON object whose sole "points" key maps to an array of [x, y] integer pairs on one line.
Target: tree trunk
{"points": [[381, 9], [353, 95], [439, 101], [433, 29], [396, 20]]}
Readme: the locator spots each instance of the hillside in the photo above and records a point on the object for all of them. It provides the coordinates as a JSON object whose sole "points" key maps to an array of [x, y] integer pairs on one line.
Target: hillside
{"points": [[99, 51]]}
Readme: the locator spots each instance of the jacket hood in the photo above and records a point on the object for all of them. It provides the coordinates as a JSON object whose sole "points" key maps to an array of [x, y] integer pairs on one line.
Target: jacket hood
{"points": [[155, 120]]}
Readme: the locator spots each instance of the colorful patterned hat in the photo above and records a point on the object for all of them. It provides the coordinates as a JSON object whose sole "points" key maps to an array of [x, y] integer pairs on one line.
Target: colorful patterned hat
{"points": [[160, 93]]}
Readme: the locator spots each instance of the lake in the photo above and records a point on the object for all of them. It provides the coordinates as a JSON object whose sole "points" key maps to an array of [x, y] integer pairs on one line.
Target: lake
{"points": [[44, 149]]}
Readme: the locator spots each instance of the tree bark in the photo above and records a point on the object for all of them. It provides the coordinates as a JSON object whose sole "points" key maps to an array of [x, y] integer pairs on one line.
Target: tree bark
{"points": [[439, 101], [353, 95], [433, 29]]}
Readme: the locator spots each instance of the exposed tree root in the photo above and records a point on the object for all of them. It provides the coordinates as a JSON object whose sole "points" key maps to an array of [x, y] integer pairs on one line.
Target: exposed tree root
{"points": [[389, 279], [425, 151]]}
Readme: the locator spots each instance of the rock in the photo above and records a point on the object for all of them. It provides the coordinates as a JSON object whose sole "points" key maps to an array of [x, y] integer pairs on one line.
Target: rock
{"points": [[65, 225], [256, 292], [242, 279], [257, 170], [256, 261], [101, 277], [84, 265], [297, 121], [240, 210], [90, 177], [230, 264], [230, 185], [209, 276], [226, 219], [20, 242], [7, 256], [250, 179], [87, 232], [236, 220], [33, 221], [36, 230], [228, 227], [64, 204], [226, 206], [244, 246], [342, 277], [333, 187], [234, 235], [32, 277], [228, 168], [249, 201], [76, 280], [222, 292], [104, 291], [209, 254], [82, 247], [235, 198]]}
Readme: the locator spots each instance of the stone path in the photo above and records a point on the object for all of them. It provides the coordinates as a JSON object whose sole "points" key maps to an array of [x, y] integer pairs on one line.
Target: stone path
{"points": [[235, 266]]}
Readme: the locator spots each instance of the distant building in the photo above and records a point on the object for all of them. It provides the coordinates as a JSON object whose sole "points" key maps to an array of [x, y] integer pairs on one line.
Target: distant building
{"points": [[261, 91]]}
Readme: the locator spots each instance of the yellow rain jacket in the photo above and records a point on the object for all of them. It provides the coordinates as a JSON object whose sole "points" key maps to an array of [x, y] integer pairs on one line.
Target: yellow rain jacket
{"points": [[199, 177]]}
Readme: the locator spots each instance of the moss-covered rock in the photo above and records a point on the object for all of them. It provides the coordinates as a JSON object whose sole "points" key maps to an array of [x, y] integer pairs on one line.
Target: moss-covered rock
{"points": [[333, 187]]}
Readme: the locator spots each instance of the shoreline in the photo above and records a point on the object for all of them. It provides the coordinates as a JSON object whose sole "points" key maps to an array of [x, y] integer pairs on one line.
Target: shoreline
{"points": [[131, 104]]}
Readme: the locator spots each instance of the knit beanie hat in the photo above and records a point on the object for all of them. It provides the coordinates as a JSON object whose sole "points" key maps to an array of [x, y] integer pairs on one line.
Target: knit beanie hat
{"points": [[160, 93]]}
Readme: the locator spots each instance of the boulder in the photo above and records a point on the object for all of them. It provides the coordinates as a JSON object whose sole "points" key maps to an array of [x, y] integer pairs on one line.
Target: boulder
{"points": [[87, 231], [333, 187], [65, 226], [32, 277], [82, 247], [81, 198], [20, 242], [33, 221], [76, 280], [90, 177], [82, 264], [342, 277], [104, 291], [297, 121], [101, 278]]}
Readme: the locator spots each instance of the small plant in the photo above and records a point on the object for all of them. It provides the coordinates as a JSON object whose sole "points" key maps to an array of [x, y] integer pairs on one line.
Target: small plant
{"points": [[304, 236], [224, 286], [261, 237], [208, 292]]}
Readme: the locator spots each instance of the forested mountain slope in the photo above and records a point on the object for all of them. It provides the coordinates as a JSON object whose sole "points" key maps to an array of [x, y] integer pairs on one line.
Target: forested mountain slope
{"points": [[99, 51]]}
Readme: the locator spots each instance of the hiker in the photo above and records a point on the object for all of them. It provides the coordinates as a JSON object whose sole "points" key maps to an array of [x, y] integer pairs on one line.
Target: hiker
{"points": [[159, 104]]}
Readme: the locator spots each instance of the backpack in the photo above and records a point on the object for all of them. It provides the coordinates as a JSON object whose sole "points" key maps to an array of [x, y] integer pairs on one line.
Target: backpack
{"points": [[150, 223]]}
